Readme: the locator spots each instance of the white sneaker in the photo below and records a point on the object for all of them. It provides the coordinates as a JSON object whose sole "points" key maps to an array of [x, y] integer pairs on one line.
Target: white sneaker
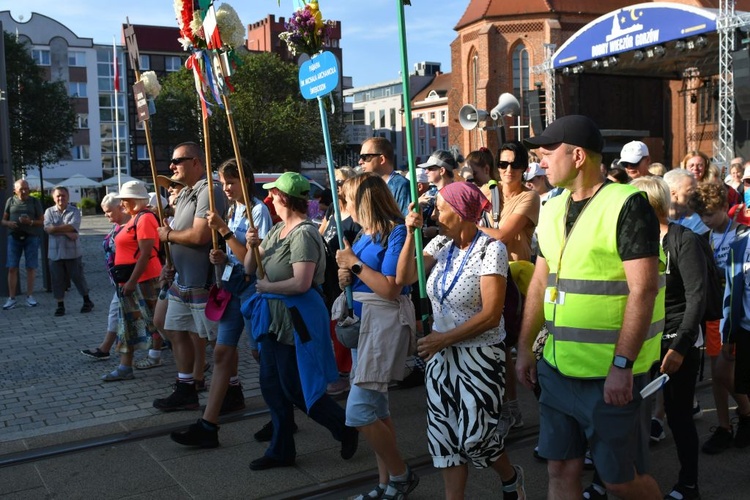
{"points": [[9, 304], [31, 301], [517, 486]]}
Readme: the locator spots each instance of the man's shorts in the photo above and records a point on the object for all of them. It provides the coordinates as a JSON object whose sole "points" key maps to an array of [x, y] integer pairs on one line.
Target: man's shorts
{"points": [[186, 312], [365, 407], [29, 247], [713, 338], [573, 414]]}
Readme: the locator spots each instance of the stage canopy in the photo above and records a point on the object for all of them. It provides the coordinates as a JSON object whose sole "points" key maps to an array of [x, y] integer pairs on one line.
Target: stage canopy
{"points": [[657, 39]]}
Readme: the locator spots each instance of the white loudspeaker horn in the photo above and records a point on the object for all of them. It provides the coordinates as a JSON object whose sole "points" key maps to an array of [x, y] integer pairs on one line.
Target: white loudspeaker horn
{"points": [[507, 104], [469, 116]]}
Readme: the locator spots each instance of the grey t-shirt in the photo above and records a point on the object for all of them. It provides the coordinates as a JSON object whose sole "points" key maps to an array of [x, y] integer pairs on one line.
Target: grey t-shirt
{"points": [[191, 262], [32, 207], [60, 246], [302, 244]]}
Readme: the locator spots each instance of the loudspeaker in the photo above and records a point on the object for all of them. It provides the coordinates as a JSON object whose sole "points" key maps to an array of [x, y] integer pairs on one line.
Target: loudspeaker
{"points": [[507, 104], [537, 111], [741, 78], [469, 116]]}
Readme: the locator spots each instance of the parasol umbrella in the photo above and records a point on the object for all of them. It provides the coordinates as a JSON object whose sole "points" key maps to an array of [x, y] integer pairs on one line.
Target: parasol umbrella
{"points": [[112, 181], [33, 181], [80, 181]]}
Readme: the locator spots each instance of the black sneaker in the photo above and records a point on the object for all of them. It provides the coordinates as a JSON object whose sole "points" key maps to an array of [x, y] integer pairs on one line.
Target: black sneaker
{"points": [[266, 433], [184, 397], [95, 353], [60, 311], [657, 430], [742, 436], [234, 400], [719, 441], [349, 442], [682, 492], [87, 307], [197, 435]]}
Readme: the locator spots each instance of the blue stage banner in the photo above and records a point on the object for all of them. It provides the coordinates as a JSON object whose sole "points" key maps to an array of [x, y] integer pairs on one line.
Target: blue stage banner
{"points": [[632, 28]]}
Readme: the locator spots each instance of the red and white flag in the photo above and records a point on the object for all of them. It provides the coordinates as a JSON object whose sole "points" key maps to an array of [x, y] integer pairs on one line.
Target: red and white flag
{"points": [[115, 66]]}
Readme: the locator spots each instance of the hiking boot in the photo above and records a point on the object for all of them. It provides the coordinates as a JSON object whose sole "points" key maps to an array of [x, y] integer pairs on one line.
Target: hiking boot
{"points": [[742, 436], [9, 304], [197, 435], [657, 430], [88, 306], [398, 490], [517, 486], [184, 397], [719, 441], [96, 354], [682, 492], [234, 400]]}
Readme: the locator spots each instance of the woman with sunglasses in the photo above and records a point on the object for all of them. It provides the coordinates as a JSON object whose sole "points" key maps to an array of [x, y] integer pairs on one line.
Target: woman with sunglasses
{"points": [[520, 212], [518, 219]]}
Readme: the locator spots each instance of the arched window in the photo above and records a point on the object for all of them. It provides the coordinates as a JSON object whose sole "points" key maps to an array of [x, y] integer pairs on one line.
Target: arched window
{"points": [[521, 84]]}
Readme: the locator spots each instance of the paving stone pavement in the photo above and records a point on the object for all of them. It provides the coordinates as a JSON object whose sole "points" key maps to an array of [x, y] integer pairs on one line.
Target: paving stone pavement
{"points": [[47, 386]]}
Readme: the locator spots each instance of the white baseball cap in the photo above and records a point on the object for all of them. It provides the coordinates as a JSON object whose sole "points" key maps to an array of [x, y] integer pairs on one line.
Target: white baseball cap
{"points": [[633, 152], [534, 170]]}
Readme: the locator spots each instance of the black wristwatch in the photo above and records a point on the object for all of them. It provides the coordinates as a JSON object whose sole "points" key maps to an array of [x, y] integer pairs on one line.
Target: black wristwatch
{"points": [[357, 267], [228, 236], [622, 362]]}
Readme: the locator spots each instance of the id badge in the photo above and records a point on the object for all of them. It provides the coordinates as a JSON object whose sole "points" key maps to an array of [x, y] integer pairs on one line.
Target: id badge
{"points": [[443, 322], [554, 296], [227, 273]]}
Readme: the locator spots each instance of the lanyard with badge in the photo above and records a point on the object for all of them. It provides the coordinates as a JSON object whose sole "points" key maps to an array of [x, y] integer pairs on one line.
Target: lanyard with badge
{"points": [[553, 295], [443, 320]]}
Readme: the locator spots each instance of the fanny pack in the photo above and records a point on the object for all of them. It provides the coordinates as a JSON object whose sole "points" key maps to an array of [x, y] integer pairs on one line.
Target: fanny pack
{"points": [[121, 273]]}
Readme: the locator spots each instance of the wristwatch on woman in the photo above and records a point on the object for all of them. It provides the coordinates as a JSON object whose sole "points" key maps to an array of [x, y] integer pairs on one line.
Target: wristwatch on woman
{"points": [[357, 267]]}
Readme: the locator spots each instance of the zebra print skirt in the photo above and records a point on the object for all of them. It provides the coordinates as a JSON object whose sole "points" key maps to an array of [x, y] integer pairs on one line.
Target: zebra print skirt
{"points": [[465, 386]]}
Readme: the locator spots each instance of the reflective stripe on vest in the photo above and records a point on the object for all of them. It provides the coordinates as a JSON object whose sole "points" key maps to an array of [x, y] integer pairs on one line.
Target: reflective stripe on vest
{"points": [[592, 287]]}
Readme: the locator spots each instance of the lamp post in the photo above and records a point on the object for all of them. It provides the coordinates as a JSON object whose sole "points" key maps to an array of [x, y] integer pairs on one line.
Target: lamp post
{"points": [[6, 172]]}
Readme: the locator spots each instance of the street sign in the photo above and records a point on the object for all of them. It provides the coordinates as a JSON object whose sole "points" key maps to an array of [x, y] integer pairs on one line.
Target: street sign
{"points": [[319, 76]]}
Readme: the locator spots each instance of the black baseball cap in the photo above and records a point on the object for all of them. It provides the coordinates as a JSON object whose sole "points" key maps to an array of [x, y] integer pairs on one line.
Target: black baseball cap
{"points": [[576, 130]]}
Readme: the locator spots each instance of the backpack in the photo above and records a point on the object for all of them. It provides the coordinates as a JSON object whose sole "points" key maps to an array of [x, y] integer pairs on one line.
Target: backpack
{"points": [[714, 287]]}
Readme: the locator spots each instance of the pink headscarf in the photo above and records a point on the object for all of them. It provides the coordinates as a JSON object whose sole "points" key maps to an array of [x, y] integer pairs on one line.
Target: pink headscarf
{"points": [[466, 199]]}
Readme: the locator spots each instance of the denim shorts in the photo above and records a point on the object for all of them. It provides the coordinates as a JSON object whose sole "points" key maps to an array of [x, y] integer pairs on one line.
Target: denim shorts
{"points": [[365, 407], [29, 247]]}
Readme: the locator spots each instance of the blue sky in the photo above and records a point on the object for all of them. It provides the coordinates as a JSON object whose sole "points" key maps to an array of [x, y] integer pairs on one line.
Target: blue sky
{"points": [[370, 28]]}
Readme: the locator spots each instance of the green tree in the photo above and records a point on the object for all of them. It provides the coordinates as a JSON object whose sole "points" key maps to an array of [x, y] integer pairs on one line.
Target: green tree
{"points": [[41, 113], [277, 129]]}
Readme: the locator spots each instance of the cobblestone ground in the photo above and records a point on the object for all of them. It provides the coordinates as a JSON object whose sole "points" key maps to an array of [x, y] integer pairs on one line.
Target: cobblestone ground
{"points": [[47, 386]]}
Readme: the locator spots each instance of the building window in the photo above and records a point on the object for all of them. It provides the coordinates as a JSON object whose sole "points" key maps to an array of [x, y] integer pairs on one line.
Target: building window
{"points": [[520, 69], [443, 116], [141, 151], [393, 117], [80, 152], [432, 116], [107, 107], [382, 118], [144, 61], [372, 119], [82, 120], [77, 58], [172, 63], [77, 89], [40, 56]]}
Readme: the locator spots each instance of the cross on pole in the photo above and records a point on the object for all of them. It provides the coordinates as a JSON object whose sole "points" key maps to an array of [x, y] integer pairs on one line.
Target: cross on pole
{"points": [[518, 127]]}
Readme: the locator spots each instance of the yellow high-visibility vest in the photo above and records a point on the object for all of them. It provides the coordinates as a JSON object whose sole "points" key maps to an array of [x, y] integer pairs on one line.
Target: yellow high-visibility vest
{"points": [[589, 287]]}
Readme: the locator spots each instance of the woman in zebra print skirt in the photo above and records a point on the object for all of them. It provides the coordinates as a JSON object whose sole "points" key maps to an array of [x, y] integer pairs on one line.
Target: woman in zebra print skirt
{"points": [[465, 375]]}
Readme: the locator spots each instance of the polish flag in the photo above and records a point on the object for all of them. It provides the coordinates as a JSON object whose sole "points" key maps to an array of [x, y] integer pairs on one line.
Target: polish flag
{"points": [[116, 67]]}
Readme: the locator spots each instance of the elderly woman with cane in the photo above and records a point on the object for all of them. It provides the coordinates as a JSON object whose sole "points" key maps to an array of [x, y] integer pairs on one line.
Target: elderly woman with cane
{"points": [[465, 354]]}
